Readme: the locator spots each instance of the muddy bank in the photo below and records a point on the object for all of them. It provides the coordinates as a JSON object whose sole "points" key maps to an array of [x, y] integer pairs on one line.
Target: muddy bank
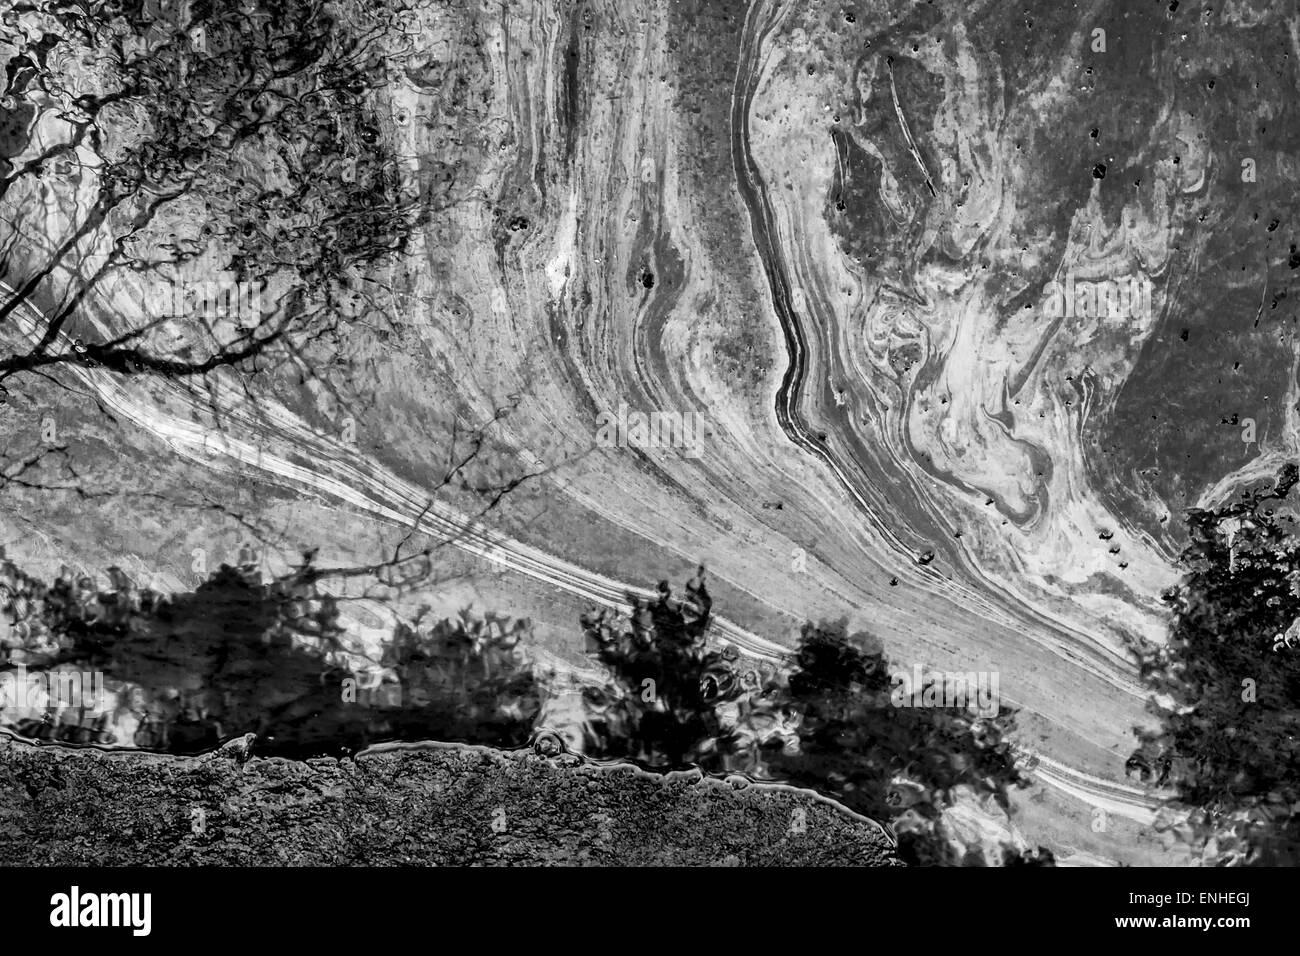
{"points": [[444, 807]]}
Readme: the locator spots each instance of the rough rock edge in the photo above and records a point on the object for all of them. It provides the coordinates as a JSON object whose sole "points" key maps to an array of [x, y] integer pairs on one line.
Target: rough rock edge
{"points": [[426, 805]]}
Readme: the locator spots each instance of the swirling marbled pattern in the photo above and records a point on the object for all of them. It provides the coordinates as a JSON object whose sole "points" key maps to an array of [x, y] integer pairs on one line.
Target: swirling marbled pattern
{"points": [[826, 229]]}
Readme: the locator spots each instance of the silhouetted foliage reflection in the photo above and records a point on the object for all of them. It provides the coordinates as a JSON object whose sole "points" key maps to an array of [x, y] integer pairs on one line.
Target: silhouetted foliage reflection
{"points": [[661, 710], [237, 656], [898, 764], [1227, 684], [240, 139], [829, 725]]}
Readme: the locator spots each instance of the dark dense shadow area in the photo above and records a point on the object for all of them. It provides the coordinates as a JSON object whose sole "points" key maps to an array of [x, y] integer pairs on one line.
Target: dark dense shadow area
{"points": [[661, 707], [1226, 685], [827, 723], [182, 673]]}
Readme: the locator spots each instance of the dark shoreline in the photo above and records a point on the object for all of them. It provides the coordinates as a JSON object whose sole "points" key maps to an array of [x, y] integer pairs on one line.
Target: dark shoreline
{"points": [[437, 805]]}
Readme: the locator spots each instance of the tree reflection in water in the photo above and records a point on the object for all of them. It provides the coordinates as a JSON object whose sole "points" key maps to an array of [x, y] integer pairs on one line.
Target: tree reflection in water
{"points": [[238, 655]]}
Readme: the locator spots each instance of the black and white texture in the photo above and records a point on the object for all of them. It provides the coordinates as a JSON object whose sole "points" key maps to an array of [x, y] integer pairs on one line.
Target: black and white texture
{"points": [[854, 397]]}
